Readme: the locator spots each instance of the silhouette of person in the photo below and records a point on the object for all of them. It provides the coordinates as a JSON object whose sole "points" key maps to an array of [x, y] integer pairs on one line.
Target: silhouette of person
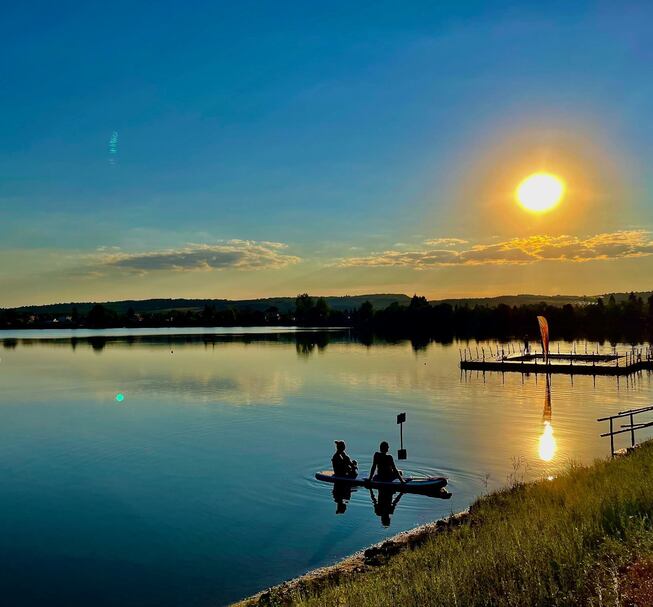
{"points": [[384, 465], [384, 505], [342, 464]]}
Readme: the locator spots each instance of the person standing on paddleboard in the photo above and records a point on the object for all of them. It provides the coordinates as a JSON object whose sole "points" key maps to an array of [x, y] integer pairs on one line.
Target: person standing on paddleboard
{"points": [[342, 464], [384, 465]]}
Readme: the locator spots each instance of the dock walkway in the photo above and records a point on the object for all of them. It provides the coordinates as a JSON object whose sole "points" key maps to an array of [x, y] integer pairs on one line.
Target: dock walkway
{"points": [[627, 363]]}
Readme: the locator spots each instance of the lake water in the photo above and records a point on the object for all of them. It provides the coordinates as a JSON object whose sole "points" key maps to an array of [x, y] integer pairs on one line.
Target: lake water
{"points": [[197, 488]]}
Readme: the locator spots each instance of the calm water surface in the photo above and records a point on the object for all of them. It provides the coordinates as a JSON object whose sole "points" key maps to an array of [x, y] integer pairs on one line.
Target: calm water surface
{"points": [[198, 489]]}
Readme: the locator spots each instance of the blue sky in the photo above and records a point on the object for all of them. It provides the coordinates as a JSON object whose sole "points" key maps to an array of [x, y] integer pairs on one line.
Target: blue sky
{"points": [[209, 149]]}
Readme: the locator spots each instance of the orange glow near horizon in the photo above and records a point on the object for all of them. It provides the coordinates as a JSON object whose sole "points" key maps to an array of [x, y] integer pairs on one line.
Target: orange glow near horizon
{"points": [[591, 172]]}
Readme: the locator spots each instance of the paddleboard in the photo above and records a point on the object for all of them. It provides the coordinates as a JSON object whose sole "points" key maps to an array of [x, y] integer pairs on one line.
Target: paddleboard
{"points": [[427, 484]]}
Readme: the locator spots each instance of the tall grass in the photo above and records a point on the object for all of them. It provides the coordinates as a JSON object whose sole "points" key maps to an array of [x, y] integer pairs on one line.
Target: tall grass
{"points": [[557, 542]]}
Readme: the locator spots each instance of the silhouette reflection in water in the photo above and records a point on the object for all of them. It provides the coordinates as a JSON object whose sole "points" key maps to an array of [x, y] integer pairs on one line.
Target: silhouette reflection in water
{"points": [[341, 496], [385, 504], [547, 443], [384, 501]]}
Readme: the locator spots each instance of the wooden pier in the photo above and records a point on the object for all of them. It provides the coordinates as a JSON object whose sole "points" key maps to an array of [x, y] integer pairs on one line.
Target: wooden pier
{"points": [[572, 363]]}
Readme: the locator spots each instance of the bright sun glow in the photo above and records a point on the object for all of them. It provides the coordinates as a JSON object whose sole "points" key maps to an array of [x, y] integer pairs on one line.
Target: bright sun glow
{"points": [[548, 443], [540, 192]]}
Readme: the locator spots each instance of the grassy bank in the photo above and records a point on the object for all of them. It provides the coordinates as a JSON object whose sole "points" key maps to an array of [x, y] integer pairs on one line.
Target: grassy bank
{"points": [[585, 538]]}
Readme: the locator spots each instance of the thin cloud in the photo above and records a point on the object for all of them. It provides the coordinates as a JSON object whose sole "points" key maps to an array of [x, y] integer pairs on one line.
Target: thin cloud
{"points": [[445, 242], [232, 254], [516, 251]]}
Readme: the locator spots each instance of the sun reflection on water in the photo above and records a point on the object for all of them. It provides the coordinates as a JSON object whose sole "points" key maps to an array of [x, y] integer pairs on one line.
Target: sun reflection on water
{"points": [[548, 444]]}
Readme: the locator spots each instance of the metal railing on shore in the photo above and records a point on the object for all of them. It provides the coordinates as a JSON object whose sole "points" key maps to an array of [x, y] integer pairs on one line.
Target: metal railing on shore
{"points": [[630, 427]]}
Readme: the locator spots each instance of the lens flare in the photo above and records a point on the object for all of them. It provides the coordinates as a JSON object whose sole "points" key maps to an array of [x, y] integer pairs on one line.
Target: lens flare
{"points": [[540, 192], [113, 147]]}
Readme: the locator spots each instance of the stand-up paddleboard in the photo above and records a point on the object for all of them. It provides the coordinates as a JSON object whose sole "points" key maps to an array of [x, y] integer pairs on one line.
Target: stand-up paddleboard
{"points": [[427, 484]]}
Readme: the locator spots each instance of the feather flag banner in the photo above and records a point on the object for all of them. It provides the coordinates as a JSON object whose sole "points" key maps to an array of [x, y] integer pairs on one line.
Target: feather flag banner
{"points": [[544, 332]]}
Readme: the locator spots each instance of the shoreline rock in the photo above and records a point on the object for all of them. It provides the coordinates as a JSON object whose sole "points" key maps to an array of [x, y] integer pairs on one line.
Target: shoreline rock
{"points": [[358, 563]]}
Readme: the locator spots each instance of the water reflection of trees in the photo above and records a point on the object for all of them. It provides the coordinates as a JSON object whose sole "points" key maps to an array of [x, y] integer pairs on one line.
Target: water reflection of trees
{"points": [[305, 342], [98, 343]]}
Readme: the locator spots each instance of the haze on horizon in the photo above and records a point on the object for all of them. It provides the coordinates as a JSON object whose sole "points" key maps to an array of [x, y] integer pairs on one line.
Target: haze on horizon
{"points": [[215, 150]]}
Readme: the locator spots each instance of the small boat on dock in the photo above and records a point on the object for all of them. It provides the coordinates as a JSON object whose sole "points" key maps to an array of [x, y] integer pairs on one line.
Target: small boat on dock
{"points": [[424, 485]]}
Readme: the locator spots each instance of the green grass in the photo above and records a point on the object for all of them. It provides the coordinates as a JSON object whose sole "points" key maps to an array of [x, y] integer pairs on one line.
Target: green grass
{"points": [[559, 542]]}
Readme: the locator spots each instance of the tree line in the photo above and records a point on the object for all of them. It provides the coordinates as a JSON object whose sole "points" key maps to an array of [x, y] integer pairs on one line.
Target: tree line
{"points": [[629, 320]]}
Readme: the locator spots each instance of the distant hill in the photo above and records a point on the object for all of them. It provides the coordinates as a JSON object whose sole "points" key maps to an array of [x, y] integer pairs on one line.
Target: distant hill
{"points": [[519, 300], [528, 299], [284, 304], [339, 303], [624, 296]]}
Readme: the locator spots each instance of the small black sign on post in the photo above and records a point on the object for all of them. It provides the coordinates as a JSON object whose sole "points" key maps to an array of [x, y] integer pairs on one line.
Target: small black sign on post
{"points": [[401, 454]]}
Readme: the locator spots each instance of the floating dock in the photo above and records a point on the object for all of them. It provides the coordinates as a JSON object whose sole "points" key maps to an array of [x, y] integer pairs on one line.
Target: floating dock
{"points": [[615, 363]]}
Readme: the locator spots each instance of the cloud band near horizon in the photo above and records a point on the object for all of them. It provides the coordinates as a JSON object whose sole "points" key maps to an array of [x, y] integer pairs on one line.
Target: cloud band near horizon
{"points": [[231, 254], [621, 244]]}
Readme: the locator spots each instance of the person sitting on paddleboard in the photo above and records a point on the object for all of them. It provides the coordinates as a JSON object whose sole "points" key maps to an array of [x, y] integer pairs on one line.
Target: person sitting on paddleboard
{"points": [[342, 464], [384, 465]]}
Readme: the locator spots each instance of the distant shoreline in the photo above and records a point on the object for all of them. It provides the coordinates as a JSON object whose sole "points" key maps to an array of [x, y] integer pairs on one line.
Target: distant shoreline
{"points": [[84, 332], [391, 317]]}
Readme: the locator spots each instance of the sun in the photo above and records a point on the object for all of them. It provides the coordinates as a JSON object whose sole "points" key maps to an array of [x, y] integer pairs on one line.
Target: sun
{"points": [[540, 192]]}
